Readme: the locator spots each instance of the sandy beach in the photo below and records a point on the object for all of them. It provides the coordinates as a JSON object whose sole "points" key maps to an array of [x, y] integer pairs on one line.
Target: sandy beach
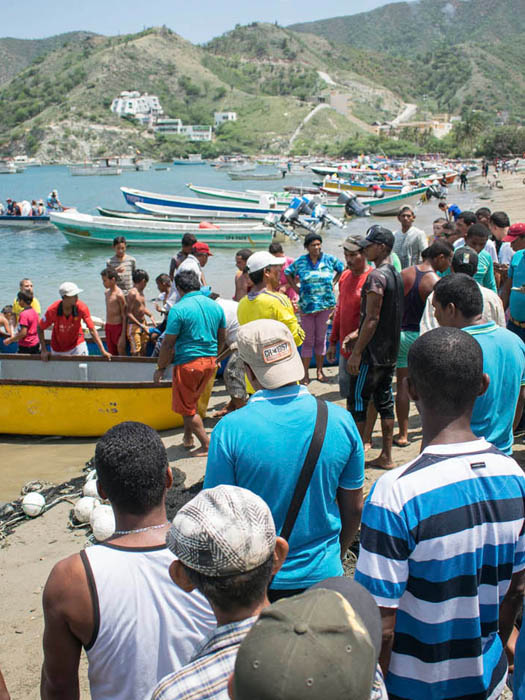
{"points": [[27, 556]]}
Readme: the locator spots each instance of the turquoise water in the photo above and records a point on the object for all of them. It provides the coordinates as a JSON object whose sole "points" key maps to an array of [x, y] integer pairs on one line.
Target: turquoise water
{"points": [[47, 258]]}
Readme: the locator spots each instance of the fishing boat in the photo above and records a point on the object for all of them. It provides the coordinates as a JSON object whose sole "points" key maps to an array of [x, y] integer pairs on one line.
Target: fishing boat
{"points": [[26, 222], [183, 217], [233, 175], [92, 169], [7, 167], [84, 228], [84, 396], [192, 159]]}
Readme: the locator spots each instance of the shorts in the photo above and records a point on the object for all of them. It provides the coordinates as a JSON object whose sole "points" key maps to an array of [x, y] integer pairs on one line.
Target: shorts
{"points": [[234, 377], [29, 349], [406, 341], [371, 382], [113, 333], [80, 349], [189, 381], [138, 338]]}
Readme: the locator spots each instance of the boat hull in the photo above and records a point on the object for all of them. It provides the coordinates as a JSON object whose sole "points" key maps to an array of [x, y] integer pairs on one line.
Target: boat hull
{"points": [[25, 221], [84, 408]]}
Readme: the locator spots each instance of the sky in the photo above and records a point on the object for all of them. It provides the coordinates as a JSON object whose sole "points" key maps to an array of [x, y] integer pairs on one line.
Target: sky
{"points": [[199, 22]]}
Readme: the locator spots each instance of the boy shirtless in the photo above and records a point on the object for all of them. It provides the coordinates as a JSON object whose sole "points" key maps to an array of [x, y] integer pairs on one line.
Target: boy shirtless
{"points": [[137, 330], [116, 313], [242, 281]]}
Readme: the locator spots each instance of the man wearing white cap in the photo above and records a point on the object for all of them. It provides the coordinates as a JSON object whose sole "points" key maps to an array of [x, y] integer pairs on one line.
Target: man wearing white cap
{"points": [[264, 300], [66, 317], [226, 548], [264, 446]]}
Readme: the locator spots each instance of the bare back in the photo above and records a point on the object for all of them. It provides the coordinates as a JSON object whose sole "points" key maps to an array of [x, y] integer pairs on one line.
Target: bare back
{"points": [[115, 306]]}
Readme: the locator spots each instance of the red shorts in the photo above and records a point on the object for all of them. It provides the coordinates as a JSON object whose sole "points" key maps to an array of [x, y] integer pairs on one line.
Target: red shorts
{"points": [[113, 333], [189, 381]]}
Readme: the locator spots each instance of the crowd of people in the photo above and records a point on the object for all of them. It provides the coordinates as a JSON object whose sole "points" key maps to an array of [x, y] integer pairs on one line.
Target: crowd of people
{"points": [[244, 594], [33, 208]]}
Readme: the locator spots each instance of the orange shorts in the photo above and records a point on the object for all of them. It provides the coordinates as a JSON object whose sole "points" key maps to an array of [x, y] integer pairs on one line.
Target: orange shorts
{"points": [[189, 381]]}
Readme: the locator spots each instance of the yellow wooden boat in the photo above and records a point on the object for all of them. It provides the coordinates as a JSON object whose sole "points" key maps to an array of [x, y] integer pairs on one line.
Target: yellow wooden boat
{"points": [[84, 396]]}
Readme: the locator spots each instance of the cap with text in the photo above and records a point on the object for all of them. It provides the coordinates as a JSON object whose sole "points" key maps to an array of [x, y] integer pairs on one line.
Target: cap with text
{"points": [[69, 289], [261, 260], [223, 531], [268, 347]]}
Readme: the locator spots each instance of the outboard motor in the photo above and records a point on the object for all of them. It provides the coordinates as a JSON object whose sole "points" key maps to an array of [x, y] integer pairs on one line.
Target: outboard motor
{"points": [[353, 207], [436, 191], [272, 220]]}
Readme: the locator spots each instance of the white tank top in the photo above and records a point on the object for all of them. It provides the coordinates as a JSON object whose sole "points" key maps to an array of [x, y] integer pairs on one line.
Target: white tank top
{"points": [[145, 626]]}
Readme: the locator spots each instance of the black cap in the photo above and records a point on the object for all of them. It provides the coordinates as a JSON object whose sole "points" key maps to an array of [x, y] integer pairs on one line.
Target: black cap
{"points": [[378, 234], [465, 260]]}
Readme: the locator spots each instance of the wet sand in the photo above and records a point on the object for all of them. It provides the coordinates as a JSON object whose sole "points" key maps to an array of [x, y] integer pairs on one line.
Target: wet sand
{"points": [[28, 555]]}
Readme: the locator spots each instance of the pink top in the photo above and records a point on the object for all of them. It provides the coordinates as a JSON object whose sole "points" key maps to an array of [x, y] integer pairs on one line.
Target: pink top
{"points": [[29, 319], [285, 287]]}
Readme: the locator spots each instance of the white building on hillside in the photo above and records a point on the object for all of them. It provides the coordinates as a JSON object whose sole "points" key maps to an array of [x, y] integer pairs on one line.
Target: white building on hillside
{"points": [[221, 117], [194, 132], [136, 105]]}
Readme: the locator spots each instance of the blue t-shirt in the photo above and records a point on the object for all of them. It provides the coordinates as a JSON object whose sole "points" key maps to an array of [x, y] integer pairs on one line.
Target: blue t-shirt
{"points": [[504, 362], [485, 272], [517, 275], [262, 447], [195, 320], [316, 293], [455, 211], [519, 665]]}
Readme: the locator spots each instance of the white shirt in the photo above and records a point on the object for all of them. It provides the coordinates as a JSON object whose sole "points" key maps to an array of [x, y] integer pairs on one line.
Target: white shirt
{"points": [[409, 246], [190, 263], [229, 306]]}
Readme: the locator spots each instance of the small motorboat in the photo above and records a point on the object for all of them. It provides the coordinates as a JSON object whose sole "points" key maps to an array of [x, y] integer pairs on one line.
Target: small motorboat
{"points": [[26, 222]]}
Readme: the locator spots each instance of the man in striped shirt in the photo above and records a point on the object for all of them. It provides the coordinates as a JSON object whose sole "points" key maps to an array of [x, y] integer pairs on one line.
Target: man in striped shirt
{"points": [[442, 540]]}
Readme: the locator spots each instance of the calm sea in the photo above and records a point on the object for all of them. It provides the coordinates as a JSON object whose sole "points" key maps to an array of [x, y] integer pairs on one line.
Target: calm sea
{"points": [[47, 258]]}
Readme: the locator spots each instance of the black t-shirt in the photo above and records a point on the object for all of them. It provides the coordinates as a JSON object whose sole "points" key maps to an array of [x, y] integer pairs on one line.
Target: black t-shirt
{"points": [[383, 348]]}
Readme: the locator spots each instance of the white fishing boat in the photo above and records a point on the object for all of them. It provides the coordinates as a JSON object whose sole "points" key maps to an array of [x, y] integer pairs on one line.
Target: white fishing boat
{"points": [[84, 228]]}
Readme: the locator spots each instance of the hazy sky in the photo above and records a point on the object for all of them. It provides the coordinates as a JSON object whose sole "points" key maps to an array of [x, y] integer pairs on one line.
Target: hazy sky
{"points": [[196, 21]]}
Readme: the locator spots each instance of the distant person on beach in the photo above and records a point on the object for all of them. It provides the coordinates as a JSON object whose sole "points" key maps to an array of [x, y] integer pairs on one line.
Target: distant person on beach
{"points": [[122, 263], [26, 286], [409, 241], [452, 212], [442, 540], [225, 546], [116, 313], [116, 599], [187, 243], [66, 316], [27, 332], [458, 303], [243, 283], [137, 329], [465, 260], [195, 334], [263, 446], [418, 283], [317, 274], [374, 354]]}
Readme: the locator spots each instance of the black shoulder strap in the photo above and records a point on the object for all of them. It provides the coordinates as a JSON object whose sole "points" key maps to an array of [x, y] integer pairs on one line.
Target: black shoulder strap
{"points": [[308, 469]]}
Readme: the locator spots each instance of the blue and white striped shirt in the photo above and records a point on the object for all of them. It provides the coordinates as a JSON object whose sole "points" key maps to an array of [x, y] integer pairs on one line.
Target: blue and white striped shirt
{"points": [[440, 540]]}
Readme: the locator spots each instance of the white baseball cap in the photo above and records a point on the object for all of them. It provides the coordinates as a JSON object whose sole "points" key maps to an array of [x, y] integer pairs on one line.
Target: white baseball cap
{"points": [[261, 260], [69, 289]]}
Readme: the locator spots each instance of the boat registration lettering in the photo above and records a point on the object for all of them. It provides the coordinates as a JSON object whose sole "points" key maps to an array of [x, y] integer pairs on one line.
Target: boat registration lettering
{"points": [[276, 352]]}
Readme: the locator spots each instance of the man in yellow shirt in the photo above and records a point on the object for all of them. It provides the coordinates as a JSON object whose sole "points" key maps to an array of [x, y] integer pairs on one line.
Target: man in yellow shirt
{"points": [[26, 286], [263, 300]]}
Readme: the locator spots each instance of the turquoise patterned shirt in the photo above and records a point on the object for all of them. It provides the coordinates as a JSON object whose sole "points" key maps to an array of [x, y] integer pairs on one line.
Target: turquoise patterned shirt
{"points": [[316, 292]]}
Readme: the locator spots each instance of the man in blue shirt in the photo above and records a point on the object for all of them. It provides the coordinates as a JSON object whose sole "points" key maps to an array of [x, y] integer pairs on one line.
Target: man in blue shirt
{"points": [[458, 303], [262, 447], [195, 332]]}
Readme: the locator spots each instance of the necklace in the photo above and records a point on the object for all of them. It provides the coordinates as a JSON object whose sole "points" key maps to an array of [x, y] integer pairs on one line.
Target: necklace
{"points": [[140, 529]]}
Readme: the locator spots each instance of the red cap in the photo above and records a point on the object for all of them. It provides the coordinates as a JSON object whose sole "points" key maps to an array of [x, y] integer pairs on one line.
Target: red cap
{"points": [[200, 247], [514, 231]]}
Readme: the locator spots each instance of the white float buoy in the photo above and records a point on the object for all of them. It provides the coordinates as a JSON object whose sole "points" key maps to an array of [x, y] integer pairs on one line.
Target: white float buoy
{"points": [[102, 522], [90, 488], [84, 507], [33, 504]]}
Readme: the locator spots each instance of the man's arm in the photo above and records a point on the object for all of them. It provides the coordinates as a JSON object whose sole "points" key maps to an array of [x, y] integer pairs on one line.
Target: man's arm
{"points": [[17, 337], [388, 622], [285, 314], [99, 343], [221, 340], [489, 280], [374, 302], [350, 504], [165, 356], [511, 605], [505, 292], [44, 352], [67, 610]]}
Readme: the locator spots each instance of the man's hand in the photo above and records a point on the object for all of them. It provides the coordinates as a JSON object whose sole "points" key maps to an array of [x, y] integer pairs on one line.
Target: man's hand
{"points": [[107, 355], [8, 341], [353, 363], [331, 352], [44, 355], [158, 375], [349, 340]]}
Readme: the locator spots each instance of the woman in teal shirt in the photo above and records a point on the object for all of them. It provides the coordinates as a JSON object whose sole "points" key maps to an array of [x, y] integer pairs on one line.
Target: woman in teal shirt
{"points": [[317, 273]]}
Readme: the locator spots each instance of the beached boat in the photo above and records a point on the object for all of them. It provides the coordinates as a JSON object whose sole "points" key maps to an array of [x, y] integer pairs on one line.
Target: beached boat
{"points": [[84, 396], [182, 218], [84, 228], [26, 222]]}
